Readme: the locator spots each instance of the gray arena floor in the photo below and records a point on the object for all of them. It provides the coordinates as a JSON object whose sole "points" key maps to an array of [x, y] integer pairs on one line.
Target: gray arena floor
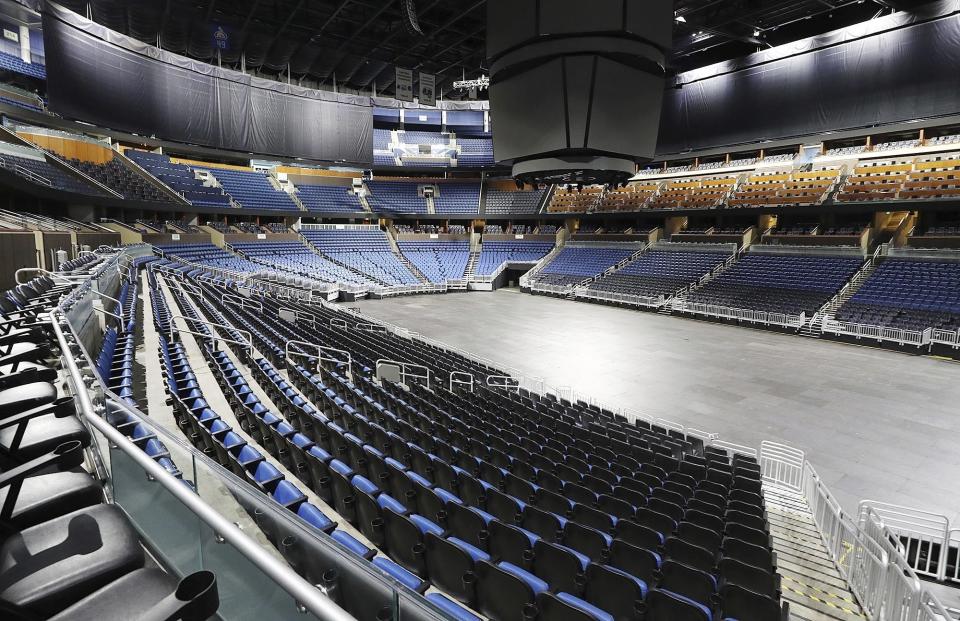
{"points": [[875, 424]]}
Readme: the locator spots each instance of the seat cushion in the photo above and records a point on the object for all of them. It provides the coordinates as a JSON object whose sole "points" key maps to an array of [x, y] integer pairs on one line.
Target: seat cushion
{"points": [[26, 397], [47, 567], [43, 434], [123, 599], [47, 496]]}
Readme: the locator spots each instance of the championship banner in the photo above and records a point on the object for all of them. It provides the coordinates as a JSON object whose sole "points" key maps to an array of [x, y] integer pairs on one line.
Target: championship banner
{"points": [[428, 92], [404, 85]]}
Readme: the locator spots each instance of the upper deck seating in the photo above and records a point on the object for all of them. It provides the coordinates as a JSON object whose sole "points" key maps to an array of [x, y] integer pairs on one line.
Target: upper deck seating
{"points": [[786, 188], [328, 198], [399, 196], [693, 193], [632, 197], [117, 176], [510, 202], [180, 179], [457, 198], [574, 201], [253, 190]]}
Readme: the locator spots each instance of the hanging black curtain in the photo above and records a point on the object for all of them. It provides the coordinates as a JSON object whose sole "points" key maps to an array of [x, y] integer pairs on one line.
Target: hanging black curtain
{"points": [[102, 77], [840, 83]]}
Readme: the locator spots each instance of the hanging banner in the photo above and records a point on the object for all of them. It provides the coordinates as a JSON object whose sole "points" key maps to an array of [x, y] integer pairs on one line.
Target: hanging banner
{"points": [[404, 85], [428, 92]]}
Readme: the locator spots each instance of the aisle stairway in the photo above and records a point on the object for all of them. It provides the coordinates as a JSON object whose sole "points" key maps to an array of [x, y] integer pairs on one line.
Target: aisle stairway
{"points": [[471, 265], [809, 579]]}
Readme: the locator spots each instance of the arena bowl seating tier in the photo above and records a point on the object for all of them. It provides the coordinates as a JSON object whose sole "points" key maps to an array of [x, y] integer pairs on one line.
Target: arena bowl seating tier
{"points": [[365, 250], [181, 179], [661, 272], [577, 262], [471, 496], [530, 535], [908, 294], [792, 284]]}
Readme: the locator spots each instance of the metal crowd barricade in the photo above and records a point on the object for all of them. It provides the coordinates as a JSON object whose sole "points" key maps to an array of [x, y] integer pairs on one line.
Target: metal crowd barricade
{"points": [[921, 537], [782, 465]]}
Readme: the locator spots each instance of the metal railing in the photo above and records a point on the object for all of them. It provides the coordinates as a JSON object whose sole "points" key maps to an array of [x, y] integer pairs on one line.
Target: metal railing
{"points": [[740, 314], [945, 337], [620, 298], [916, 338], [293, 315], [242, 302], [868, 556], [25, 172], [322, 355], [922, 538], [303, 594], [461, 378], [211, 336], [407, 370]]}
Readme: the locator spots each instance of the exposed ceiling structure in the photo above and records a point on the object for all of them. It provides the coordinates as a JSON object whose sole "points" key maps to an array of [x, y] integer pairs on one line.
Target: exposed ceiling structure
{"points": [[357, 43]]}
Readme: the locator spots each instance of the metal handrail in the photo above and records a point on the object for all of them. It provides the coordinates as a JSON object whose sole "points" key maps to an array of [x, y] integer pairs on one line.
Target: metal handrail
{"points": [[248, 345], [403, 366], [454, 375], [304, 593], [320, 349], [54, 275], [371, 327], [242, 302], [297, 315]]}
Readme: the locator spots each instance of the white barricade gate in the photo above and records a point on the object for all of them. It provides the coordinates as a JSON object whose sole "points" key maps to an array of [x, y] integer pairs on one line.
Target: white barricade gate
{"points": [[321, 354], [916, 338], [461, 378], [921, 538], [389, 369], [293, 315], [782, 465], [946, 337], [336, 322], [503, 381], [241, 301], [212, 335]]}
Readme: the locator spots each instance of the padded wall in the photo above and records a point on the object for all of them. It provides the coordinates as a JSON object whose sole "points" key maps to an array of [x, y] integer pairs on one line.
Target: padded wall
{"points": [[102, 77], [852, 78]]}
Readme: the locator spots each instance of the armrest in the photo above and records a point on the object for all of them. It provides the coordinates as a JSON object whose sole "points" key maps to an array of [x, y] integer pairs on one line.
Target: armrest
{"points": [[20, 324], [60, 408], [67, 455], [27, 376], [196, 599]]}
